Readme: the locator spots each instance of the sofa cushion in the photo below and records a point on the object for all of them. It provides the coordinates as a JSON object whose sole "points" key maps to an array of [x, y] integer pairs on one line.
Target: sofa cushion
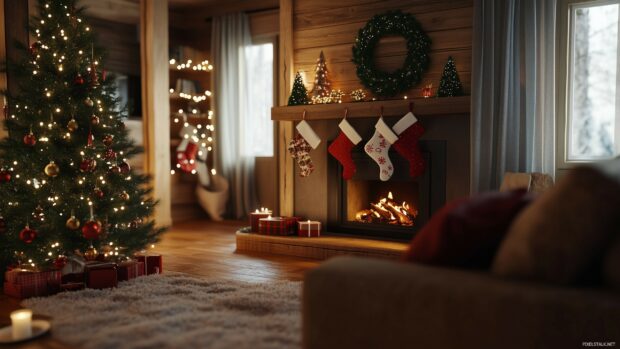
{"points": [[563, 235], [467, 232]]}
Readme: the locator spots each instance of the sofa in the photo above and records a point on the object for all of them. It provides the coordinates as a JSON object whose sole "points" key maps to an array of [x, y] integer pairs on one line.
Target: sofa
{"points": [[351, 302]]}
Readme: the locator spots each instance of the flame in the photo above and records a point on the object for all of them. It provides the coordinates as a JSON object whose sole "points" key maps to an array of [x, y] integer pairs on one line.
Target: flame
{"points": [[390, 196]]}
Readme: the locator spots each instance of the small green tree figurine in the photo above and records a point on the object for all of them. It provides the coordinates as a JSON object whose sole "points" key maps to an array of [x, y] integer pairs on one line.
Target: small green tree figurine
{"points": [[450, 84], [299, 95]]}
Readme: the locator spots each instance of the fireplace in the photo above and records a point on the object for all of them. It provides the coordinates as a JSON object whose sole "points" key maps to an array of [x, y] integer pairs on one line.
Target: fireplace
{"points": [[395, 209]]}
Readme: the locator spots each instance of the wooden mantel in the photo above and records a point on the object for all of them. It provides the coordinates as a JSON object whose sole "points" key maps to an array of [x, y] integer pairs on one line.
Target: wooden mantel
{"points": [[421, 106]]}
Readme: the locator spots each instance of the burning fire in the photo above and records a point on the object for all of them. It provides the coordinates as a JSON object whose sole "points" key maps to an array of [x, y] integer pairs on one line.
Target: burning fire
{"points": [[388, 211]]}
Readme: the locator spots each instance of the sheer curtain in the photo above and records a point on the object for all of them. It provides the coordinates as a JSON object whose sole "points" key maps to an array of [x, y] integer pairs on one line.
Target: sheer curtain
{"points": [[513, 89], [230, 38]]}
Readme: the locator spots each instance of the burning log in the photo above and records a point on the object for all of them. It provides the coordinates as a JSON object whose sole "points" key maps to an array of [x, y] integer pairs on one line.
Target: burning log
{"points": [[385, 214], [403, 219]]}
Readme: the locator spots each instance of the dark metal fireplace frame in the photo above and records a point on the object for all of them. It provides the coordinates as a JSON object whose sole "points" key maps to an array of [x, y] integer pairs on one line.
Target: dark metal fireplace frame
{"points": [[432, 193]]}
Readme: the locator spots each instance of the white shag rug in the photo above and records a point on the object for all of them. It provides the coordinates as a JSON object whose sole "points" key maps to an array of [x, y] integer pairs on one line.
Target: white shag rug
{"points": [[177, 311]]}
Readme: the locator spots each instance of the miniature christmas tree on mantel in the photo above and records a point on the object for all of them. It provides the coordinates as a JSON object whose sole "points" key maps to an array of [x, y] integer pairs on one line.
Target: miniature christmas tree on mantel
{"points": [[450, 84], [65, 182], [299, 94], [322, 86]]}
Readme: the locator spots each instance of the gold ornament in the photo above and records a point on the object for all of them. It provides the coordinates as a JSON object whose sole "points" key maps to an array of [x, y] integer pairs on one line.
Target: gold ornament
{"points": [[90, 254], [73, 223], [124, 196], [72, 125], [89, 102], [52, 170]]}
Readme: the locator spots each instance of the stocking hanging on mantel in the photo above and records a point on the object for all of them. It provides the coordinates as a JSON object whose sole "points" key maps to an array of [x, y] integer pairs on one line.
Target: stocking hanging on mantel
{"points": [[379, 146], [187, 149], [300, 146], [409, 131], [342, 146]]}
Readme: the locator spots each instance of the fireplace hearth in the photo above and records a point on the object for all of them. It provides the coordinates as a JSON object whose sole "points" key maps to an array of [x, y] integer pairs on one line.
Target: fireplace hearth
{"points": [[395, 209]]}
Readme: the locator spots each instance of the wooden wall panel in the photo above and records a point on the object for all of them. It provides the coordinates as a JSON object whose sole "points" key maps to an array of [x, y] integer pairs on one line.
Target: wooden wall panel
{"points": [[322, 25]]}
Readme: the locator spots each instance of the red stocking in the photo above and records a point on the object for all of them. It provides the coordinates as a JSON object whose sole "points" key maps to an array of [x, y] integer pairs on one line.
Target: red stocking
{"points": [[409, 131], [186, 155], [341, 148]]}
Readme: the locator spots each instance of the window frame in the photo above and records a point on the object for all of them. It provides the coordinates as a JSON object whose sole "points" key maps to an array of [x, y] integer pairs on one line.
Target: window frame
{"points": [[564, 79]]}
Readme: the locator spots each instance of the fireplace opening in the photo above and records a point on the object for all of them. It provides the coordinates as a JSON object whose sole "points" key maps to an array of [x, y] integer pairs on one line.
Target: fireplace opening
{"points": [[394, 209]]}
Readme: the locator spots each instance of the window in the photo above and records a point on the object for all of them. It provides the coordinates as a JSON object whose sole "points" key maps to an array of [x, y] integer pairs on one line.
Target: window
{"points": [[257, 130], [592, 103]]}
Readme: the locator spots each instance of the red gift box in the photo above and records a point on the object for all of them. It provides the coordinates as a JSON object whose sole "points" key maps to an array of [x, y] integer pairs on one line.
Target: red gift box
{"points": [[129, 270], [100, 275], [309, 229], [153, 264], [291, 225], [255, 216], [25, 283]]}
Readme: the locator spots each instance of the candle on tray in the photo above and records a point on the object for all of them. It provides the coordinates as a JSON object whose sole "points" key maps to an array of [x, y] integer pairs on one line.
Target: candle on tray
{"points": [[21, 321], [309, 228], [256, 215], [272, 226]]}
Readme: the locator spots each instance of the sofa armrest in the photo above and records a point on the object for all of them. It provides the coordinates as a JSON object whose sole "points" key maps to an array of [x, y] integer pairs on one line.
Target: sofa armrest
{"points": [[357, 303]]}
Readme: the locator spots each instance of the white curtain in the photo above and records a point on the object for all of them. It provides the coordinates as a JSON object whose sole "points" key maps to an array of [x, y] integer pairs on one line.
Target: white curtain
{"points": [[513, 90], [230, 36]]}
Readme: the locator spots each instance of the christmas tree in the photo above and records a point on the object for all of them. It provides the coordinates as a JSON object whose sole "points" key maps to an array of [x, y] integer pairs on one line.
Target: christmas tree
{"points": [[450, 84], [322, 86], [65, 183], [299, 95]]}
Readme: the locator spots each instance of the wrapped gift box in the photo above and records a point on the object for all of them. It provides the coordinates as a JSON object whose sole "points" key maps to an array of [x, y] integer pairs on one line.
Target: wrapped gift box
{"points": [[128, 270], [72, 286], [22, 283], [100, 275], [255, 216], [153, 264], [291, 225], [309, 228]]}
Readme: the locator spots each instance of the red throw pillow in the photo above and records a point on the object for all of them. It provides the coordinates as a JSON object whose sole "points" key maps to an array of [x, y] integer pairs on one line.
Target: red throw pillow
{"points": [[467, 232]]}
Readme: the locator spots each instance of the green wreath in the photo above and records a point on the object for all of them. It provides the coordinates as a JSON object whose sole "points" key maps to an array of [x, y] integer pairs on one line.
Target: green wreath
{"points": [[386, 84]]}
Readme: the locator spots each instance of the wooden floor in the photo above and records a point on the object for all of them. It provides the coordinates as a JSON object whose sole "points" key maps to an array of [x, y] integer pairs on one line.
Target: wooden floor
{"points": [[204, 249]]}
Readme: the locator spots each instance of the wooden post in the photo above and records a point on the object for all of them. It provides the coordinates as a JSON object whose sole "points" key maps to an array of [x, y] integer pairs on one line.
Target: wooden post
{"points": [[155, 102], [286, 174]]}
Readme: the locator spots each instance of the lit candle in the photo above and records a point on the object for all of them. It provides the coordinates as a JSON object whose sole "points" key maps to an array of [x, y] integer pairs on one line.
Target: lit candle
{"points": [[256, 215], [21, 324]]}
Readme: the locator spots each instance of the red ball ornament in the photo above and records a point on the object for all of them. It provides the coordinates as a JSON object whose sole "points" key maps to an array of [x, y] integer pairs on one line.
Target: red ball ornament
{"points": [[107, 140], [79, 80], [5, 176], [91, 230], [94, 120], [98, 193], [88, 165], [109, 154], [27, 235], [30, 140], [60, 262], [115, 169], [34, 48], [125, 168]]}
